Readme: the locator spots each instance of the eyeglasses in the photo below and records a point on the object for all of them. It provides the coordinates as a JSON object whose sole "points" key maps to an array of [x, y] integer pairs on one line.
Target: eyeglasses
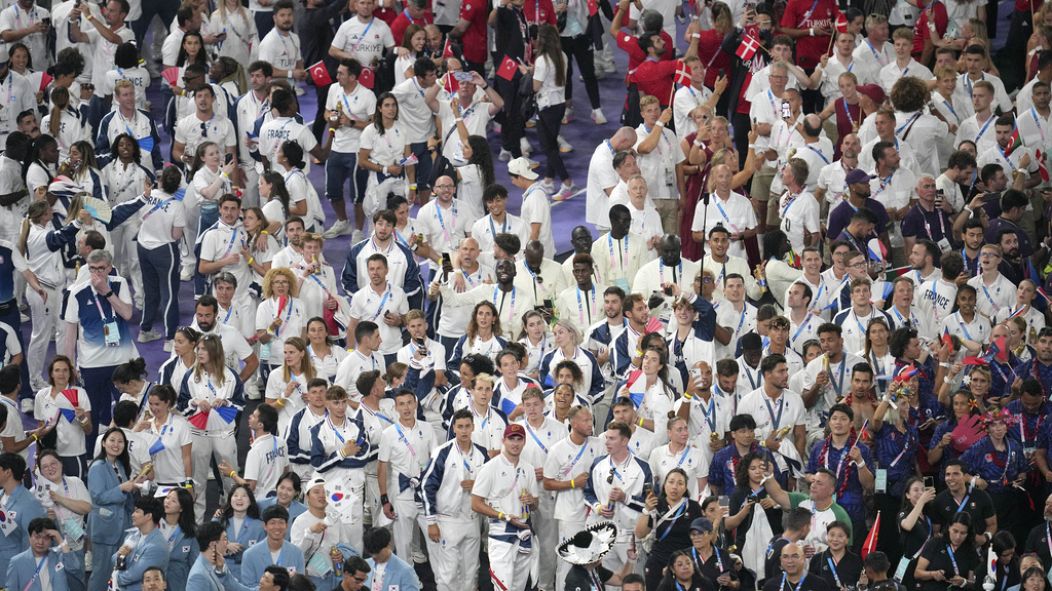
{"points": [[610, 477]]}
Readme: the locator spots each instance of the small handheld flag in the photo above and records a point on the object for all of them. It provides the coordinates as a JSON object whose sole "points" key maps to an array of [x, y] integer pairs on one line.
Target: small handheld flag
{"points": [[748, 47], [507, 69], [320, 74]]}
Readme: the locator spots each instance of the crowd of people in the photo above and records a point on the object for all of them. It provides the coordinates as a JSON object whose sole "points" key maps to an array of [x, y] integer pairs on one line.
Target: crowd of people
{"points": [[800, 342]]}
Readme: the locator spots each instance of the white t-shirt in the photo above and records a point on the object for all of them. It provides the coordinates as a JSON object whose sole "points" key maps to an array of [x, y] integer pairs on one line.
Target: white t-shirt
{"points": [[385, 149], [366, 304], [104, 51], [359, 105], [551, 93], [364, 41], [281, 51], [58, 410], [414, 114], [798, 215], [536, 209], [267, 460]]}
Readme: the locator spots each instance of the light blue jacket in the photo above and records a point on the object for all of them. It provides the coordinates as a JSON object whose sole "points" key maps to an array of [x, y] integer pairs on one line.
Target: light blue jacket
{"points": [[25, 508], [151, 551], [398, 576], [23, 568], [203, 578], [181, 557], [257, 559], [110, 506]]}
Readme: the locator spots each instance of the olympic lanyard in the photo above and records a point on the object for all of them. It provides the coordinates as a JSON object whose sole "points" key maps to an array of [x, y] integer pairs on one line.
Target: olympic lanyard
{"points": [[566, 471], [949, 105], [775, 421], [336, 431], [832, 568], [723, 213], [661, 271], [788, 204], [671, 522], [378, 415], [953, 560], [482, 427], [582, 309], [807, 15], [710, 414], [98, 305], [803, 326], [964, 329], [877, 365], [847, 110], [785, 580], [903, 320], [383, 302], [757, 382], [858, 322], [983, 129], [493, 227], [613, 469], [536, 439], [361, 38], [1037, 122], [500, 307], [909, 121], [825, 457], [404, 438], [288, 314], [230, 311], [36, 573], [230, 244], [989, 298], [622, 250], [881, 59], [160, 204], [818, 152], [840, 387], [347, 104], [442, 223], [905, 448], [464, 459], [927, 226], [770, 99]]}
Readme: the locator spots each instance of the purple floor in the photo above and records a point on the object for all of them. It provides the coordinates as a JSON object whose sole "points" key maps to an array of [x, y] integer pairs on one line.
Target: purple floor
{"points": [[581, 133]]}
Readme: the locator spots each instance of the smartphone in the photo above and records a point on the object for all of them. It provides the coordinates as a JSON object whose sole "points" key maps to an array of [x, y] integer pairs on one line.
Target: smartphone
{"points": [[46, 21], [939, 195], [667, 289], [724, 501], [549, 305], [787, 112], [647, 489], [462, 76], [929, 482], [228, 158], [447, 266]]}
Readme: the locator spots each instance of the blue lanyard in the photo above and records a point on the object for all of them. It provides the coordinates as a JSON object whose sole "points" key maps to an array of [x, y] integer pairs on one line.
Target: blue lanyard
{"points": [[438, 212], [335, 431], [500, 307], [383, 302], [953, 561], [661, 271], [788, 204], [911, 119], [819, 153], [984, 127], [832, 569], [536, 439], [710, 412], [840, 387], [775, 421], [964, 330], [799, 585], [577, 458], [493, 227], [230, 245], [288, 314], [586, 320], [624, 245], [672, 521]]}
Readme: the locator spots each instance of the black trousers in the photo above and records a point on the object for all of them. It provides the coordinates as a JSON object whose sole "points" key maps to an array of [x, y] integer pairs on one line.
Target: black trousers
{"points": [[549, 121], [581, 50], [512, 126]]}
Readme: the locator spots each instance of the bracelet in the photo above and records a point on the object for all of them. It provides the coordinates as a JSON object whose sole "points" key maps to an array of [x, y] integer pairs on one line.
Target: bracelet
{"points": [[659, 124], [332, 129], [265, 232], [412, 187], [687, 396], [251, 260], [224, 175], [384, 170], [947, 380], [500, 515], [944, 364], [459, 120], [232, 474], [384, 500], [572, 485], [640, 422], [695, 36], [107, 295], [35, 438]]}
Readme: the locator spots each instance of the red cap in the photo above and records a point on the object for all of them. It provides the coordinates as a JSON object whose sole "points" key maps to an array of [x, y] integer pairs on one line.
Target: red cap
{"points": [[514, 431]]}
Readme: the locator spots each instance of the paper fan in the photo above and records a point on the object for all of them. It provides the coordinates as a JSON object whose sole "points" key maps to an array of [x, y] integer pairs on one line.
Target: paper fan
{"points": [[228, 413], [98, 209], [69, 413], [199, 420], [72, 395]]}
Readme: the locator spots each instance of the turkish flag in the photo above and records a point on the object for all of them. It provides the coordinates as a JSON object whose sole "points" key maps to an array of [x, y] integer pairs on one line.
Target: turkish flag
{"points": [[447, 51], [593, 7], [841, 23], [320, 74], [507, 69], [366, 78]]}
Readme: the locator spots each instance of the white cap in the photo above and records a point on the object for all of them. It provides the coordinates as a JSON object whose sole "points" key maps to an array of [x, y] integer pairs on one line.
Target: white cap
{"points": [[521, 167], [315, 482]]}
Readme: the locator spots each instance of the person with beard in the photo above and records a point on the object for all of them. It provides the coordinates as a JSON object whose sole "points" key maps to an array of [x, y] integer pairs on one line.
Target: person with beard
{"points": [[1013, 266], [509, 300], [617, 254], [581, 241], [929, 219], [959, 169], [972, 238], [657, 276], [832, 186], [1013, 207], [858, 197], [718, 258], [402, 268], [240, 357]]}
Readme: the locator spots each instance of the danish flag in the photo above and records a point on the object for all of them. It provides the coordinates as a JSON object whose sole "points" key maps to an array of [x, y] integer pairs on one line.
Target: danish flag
{"points": [[748, 48]]}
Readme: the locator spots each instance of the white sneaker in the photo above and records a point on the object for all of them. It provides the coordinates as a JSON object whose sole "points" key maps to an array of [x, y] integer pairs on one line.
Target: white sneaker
{"points": [[525, 147], [148, 336], [168, 345], [548, 185], [186, 274], [564, 146], [565, 192], [505, 156], [27, 405], [339, 228], [598, 117], [357, 236]]}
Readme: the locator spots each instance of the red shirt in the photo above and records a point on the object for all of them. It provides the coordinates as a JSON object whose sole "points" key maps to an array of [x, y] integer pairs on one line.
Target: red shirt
{"points": [[402, 22], [473, 41], [654, 77], [805, 14], [1025, 5], [715, 61], [388, 16], [922, 33], [630, 44], [539, 11]]}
